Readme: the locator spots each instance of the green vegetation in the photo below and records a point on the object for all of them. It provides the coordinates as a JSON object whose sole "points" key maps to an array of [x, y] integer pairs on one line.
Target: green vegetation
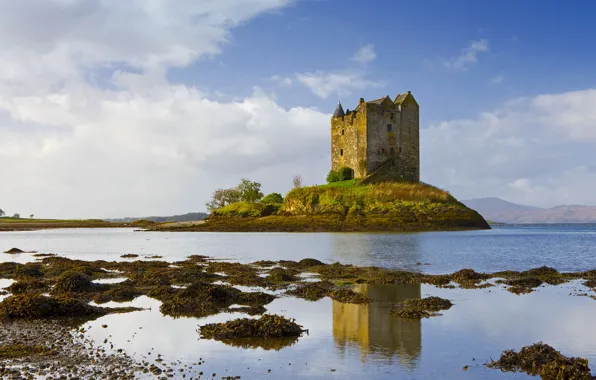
{"points": [[273, 199], [346, 206], [342, 174], [246, 191], [244, 209]]}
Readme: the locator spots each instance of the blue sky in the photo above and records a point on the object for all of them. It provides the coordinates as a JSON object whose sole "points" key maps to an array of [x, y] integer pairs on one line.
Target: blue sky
{"points": [[534, 47], [111, 108]]}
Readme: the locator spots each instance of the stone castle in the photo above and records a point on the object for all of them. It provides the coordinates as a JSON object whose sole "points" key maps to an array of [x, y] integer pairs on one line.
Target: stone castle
{"points": [[379, 140]]}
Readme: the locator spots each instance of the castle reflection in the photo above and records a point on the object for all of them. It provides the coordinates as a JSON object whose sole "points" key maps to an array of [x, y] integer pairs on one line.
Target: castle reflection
{"points": [[374, 331]]}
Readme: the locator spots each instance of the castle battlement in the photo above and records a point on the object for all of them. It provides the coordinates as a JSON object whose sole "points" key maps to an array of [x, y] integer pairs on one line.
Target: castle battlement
{"points": [[379, 139]]}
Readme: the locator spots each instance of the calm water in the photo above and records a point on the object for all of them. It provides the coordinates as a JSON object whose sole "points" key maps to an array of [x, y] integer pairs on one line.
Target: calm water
{"points": [[358, 341], [564, 247]]}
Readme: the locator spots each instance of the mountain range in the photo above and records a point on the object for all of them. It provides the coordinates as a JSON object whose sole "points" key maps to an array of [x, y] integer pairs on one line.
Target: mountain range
{"points": [[190, 217], [501, 211]]}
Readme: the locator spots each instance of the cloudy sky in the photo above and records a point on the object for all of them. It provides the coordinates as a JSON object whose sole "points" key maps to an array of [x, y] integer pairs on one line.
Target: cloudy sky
{"points": [[115, 108]]}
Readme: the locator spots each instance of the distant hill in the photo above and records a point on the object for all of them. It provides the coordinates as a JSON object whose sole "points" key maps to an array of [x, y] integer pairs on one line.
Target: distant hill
{"points": [[499, 210], [191, 216]]}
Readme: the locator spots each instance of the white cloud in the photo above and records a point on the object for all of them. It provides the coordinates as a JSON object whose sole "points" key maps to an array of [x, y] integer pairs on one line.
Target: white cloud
{"points": [[365, 54], [341, 82], [468, 56], [498, 79], [530, 151], [134, 144], [324, 84]]}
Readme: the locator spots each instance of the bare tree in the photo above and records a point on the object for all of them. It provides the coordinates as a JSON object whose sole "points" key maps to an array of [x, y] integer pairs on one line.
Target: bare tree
{"points": [[297, 181]]}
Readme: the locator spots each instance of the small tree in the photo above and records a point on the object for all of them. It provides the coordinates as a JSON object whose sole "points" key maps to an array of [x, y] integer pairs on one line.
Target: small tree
{"points": [[16, 215], [297, 181], [332, 176], [273, 198], [249, 191], [222, 197], [2, 213], [31, 216]]}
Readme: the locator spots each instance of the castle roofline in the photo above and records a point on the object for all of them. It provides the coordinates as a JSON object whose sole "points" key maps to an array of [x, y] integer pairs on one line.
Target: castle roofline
{"points": [[339, 111]]}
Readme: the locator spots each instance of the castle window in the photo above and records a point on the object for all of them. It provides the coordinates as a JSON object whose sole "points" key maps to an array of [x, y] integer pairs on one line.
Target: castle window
{"points": [[392, 151], [389, 128], [342, 132], [400, 149], [341, 152], [383, 150]]}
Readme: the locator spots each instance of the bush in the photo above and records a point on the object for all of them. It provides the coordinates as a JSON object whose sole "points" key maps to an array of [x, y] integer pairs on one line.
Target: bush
{"points": [[272, 199], [345, 174], [341, 174], [332, 176]]}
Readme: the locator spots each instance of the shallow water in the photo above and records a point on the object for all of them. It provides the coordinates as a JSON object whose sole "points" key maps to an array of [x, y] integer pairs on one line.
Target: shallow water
{"points": [[365, 341], [356, 341], [564, 247]]}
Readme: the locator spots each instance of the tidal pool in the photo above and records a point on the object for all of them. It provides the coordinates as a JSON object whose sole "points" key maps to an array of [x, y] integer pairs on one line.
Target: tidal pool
{"points": [[366, 341]]}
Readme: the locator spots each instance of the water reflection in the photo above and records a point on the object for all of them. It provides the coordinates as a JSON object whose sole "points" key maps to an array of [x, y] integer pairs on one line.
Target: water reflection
{"points": [[401, 250], [374, 331]]}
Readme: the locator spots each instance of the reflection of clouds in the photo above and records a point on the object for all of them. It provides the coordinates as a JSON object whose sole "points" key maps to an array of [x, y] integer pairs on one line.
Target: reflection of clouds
{"points": [[373, 330], [549, 314]]}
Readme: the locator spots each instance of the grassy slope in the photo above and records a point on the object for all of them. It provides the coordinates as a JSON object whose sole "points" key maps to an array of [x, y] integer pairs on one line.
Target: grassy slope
{"points": [[347, 206]]}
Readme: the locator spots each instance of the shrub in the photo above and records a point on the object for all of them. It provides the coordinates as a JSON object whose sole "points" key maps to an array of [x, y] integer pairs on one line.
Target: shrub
{"points": [[341, 174], [345, 174], [273, 198], [332, 176]]}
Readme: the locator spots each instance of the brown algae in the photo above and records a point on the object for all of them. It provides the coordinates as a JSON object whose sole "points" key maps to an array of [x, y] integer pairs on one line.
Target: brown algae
{"points": [[541, 359], [420, 308]]}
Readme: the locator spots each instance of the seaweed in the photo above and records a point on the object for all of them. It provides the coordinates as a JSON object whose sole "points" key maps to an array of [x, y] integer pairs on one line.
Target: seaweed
{"points": [[35, 306], [20, 350], [542, 359], [269, 326], [73, 282], [312, 291], [348, 296], [420, 308], [13, 251]]}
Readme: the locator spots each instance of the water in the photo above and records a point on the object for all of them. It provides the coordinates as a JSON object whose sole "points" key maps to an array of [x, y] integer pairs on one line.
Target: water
{"points": [[564, 247], [357, 341]]}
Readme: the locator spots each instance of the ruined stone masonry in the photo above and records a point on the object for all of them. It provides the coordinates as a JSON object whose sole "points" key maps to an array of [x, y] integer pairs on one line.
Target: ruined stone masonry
{"points": [[379, 139]]}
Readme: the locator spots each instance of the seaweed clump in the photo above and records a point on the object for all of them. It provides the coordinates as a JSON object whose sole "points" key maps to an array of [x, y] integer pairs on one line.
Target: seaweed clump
{"points": [[202, 299], [469, 278], [541, 359], [312, 291], [14, 251], [348, 296], [35, 306], [269, 326], [420, 308], [73, 282]]}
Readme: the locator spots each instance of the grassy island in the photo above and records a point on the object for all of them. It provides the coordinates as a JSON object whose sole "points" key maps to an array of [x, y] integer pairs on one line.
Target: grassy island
{"points": [[346, 206]]}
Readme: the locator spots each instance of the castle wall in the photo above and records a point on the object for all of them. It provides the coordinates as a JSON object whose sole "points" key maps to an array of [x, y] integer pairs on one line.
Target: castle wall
{"points": [[348, 142], [366, 139], [411, 139], [382, 144]]}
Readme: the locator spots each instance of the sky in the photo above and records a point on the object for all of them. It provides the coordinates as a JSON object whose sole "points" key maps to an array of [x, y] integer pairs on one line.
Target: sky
{"points": [[113, 108]]}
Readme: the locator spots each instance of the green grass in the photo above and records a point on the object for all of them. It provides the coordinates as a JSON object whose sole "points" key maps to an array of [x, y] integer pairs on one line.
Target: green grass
{"points": [[244, 209], [348, 183]]}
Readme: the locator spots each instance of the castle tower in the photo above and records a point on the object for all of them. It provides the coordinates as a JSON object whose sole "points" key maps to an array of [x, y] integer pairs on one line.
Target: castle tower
{"points": [[379, 139]]}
